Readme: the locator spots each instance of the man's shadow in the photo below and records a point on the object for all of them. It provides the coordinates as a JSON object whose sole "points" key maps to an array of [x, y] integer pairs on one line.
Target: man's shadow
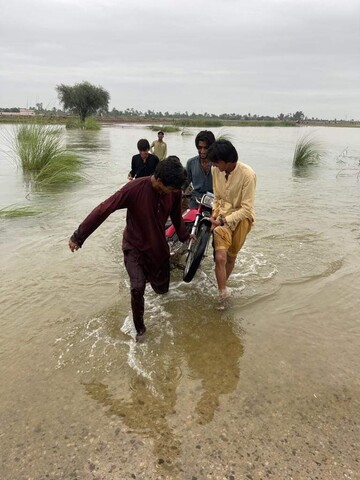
{"points": [[202, 351], [213, 352]]}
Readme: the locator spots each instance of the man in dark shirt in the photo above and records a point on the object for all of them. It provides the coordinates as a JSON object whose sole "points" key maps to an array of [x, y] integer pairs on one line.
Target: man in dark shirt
{"points": [[144, 163], [149, 202]]}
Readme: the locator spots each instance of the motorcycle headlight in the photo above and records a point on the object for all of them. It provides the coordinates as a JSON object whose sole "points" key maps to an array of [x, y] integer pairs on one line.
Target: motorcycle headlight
{"points": [[208, 200]]}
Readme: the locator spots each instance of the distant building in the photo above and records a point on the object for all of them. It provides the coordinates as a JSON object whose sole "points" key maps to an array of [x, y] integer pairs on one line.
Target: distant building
{"points": [[24, 112], [27, 112]]}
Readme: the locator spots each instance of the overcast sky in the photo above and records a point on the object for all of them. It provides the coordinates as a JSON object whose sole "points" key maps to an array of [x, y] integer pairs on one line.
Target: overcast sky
{"points": [[217, 56]]}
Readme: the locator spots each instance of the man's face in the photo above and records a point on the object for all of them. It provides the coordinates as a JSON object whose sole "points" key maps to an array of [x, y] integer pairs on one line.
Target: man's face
{"points": [[202, 149], [221, 165], [165, 189], [160, 136], [144, 154]]}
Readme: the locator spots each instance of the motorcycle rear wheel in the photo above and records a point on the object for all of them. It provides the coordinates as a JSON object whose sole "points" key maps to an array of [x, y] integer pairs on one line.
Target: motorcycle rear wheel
{"points": [[195, 255]]}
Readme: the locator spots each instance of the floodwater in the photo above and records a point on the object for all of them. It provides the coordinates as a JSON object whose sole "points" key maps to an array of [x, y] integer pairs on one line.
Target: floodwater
{"points": [[268, 389]]}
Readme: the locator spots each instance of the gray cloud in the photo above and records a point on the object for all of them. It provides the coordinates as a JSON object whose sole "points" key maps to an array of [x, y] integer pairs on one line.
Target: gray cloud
{"points": [[264, 56]]}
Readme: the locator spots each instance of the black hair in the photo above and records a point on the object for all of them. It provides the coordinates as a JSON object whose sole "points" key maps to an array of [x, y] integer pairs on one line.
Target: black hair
{"points": [[143, 145], [205, 136], [222, 150], [160, 132], [171, 172]]}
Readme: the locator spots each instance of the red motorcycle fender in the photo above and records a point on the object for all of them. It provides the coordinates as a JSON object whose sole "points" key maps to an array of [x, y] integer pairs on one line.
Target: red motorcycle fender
{"points": [[188, 216]]}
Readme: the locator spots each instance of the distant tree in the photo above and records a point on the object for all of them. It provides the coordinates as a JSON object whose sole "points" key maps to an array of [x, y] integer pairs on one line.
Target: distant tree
{"points": [[12, 110], [83, 99], [298, 116]]}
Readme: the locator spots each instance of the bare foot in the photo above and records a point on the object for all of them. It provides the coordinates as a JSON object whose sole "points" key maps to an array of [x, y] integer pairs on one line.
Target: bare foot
{"points": [[222, 303], [140, 334]]}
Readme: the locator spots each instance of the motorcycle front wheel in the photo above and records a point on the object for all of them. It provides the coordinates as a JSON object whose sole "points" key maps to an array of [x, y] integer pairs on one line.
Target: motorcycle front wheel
{"points": [[196, 254]]}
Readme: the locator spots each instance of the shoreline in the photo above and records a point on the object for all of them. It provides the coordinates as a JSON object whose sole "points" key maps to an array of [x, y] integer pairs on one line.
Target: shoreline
{"points": [[180, 122]]}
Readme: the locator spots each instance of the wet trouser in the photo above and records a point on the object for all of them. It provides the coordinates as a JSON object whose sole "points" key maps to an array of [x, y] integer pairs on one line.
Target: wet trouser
{"points": [[231, 241], [158, 277]]}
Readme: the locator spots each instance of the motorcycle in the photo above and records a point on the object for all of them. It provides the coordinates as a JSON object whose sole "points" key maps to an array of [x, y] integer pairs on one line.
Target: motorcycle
{"points": [[198, 224]]}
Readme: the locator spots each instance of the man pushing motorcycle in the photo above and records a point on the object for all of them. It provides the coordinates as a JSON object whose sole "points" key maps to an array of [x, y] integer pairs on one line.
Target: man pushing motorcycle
{"points": [[233, 214], [198, 168], [149, 202]]}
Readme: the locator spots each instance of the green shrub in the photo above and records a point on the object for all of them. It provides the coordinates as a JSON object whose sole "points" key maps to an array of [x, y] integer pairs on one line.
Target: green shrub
{"points": [[164, 128], [41, 155], [90, 124], [14, 212], [308, 151]]}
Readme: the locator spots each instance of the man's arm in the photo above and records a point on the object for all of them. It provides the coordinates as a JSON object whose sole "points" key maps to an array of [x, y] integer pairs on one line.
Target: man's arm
{"points": [[152, 147], [165, 153], [216, 202], [133, 169], [97, 217], [247, 203], [188, 171], [177, 219], [156, 161]]}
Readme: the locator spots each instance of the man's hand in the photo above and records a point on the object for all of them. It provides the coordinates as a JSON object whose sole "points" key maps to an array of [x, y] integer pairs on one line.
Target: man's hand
{"points": [[215, 222], [73, 245]]}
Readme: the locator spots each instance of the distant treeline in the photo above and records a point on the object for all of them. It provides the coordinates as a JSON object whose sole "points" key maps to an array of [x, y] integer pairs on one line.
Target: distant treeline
{"points": [[131, 112], [186, 118], [10, 110]]}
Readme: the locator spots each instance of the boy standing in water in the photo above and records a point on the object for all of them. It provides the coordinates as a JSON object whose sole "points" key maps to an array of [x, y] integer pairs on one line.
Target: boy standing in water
{"points": [[233, 210], [159, 147], [149, 202], [144, 163]]}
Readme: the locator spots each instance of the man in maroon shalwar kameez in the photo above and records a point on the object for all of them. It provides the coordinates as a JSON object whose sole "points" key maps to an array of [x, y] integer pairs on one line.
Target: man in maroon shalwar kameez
{"points": [[149, 202]]}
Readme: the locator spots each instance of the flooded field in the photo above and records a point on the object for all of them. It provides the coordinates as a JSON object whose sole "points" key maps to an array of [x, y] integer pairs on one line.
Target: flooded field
{"points": [[268, 389]]}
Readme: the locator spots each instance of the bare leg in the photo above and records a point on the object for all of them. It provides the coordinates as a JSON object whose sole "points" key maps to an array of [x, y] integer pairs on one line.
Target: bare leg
{"points": [[220, 269], [224, 265], [230, 262]]}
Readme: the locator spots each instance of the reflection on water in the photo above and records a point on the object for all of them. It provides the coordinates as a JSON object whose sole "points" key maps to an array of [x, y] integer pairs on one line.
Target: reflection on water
{"points": [[63, 314], [201, 361], [303, 171], [144, 413], [88, 141], [213, 353]]}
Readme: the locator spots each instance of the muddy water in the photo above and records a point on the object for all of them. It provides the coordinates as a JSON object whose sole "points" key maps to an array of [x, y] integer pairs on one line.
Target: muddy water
{"points": [[268, 389]]}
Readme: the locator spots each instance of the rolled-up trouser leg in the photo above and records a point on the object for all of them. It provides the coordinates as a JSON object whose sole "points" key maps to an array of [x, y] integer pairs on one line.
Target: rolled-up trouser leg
{"points": [[137, 287]]}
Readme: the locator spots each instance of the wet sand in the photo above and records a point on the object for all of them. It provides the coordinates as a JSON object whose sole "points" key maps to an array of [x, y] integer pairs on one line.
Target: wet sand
{"points": [[287, 409]]}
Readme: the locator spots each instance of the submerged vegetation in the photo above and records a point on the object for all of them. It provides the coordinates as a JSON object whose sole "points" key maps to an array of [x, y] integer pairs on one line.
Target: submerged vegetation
{"points": [[90, 123], [165, 128], [348, 164], [308, 151], [14, 211], [43, 158]]}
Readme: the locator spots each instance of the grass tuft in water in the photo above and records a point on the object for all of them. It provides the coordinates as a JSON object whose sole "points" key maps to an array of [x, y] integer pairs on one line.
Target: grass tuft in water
{"points": [[164, 128], [90, 123], [41, 155], [15, 212], [308, 151]]}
